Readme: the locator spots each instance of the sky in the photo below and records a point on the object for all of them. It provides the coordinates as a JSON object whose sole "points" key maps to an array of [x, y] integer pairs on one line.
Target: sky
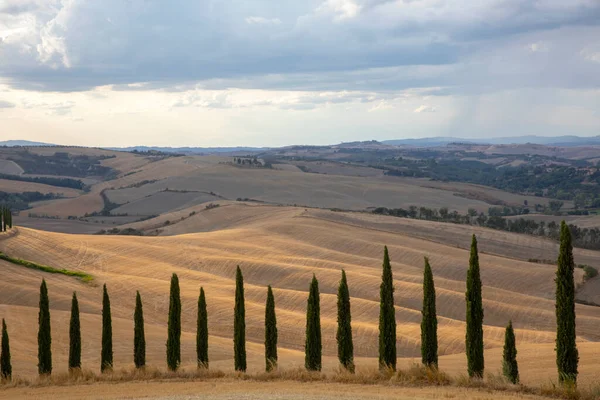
{"points": [[274, 73]]}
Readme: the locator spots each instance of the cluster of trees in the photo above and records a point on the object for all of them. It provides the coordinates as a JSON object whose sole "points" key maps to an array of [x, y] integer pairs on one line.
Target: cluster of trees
{"points": [[586, 238], [20, 201], [540, 176], [566, 350], [5, 218], [60, 182], [62, 163]]}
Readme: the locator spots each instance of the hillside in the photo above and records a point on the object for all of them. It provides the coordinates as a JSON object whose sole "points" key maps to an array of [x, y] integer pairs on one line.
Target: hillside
{"points": [[284, 246]]}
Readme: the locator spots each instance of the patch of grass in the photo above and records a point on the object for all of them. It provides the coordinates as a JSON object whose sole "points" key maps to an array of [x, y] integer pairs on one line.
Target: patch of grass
{"points": [[44, 268]]}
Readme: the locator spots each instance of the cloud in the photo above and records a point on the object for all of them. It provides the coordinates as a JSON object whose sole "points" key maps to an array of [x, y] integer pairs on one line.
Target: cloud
{"points": [[6, 104], [591, 55], [262, 21], [537, 47], [424, 108], [319, 45]]}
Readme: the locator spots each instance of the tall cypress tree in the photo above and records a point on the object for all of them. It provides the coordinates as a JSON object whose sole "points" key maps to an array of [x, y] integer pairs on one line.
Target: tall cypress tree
{"points": [[313, 346], [429, 341], [239, 323], [567, 356], [202, 332], [174, 328], [74, 336], [270, 332], [44, 333], [344, 328], [510, 368], [106, 359], [387, 316], [5, 364], [139, 334], [474, 336]]}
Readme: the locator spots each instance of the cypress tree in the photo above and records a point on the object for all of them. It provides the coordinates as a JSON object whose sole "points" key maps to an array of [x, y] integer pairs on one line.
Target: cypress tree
{"points": [[174, 328], [139, 334], [313, 347], [74, 336], [344, 328], [106, 362], [474, 335], [510, 368], [202, 332], [239, 323], [5, 365], [44, 333], [429, 342], [387, 316], [567, 356], [270, 332]]}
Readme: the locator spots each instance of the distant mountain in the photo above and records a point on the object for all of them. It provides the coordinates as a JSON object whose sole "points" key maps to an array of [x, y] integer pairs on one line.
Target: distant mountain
{"points": [[23, 143], [191, 150], [543, 140]]}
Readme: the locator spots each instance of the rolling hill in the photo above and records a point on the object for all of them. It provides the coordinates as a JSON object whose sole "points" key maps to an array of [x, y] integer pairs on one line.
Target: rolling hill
{"points": [[284, 246]]}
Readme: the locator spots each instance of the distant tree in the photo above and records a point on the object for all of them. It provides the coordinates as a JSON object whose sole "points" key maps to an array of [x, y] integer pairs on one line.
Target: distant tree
{"points": [[5, 364], [106, 359], [44, 333], [313, 345], [139, 334], [202, 332], [474, 336], [174, 326], [429, 342], [344, 328], [387, 316], [567, 356], [239, 323], [74, 336], [270, 332], [510, 368]]}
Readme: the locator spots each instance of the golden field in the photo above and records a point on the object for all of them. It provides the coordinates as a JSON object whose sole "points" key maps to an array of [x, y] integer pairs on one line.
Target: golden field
{"points": [[284, 246]]}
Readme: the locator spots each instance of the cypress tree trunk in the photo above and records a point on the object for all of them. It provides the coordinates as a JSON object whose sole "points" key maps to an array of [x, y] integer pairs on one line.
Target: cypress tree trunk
{"points": [[5, 365], [44, 333], [239, 324], [313, 347], [106, 361], [429, 342], [510, 368], [74, 336], [387, 316], [174, 328], [270, 332], [474, 336], [567, 356], [202, 332], [344, 329], [139, 334]]}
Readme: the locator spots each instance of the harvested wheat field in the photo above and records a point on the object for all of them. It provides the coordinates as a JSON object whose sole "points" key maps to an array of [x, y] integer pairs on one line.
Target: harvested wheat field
{"points": [[284, 246]]}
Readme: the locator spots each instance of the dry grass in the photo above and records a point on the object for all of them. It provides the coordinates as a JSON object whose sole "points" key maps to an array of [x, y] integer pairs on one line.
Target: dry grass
{"points": [[415, 376]]}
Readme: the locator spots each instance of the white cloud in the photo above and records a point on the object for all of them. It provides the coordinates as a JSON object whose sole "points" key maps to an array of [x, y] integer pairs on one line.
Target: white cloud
{"points": [[538, 47], [341, 9], [424, 108], [263, 21], [591, 55]]}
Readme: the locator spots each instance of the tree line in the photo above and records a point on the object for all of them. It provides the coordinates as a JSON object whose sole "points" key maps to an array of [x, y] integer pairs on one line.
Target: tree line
{"points": [[566, 350], [585, 238]]}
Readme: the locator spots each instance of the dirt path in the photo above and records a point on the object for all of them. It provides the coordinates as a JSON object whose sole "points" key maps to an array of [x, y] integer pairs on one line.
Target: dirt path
{"points": [[235, 389]]}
